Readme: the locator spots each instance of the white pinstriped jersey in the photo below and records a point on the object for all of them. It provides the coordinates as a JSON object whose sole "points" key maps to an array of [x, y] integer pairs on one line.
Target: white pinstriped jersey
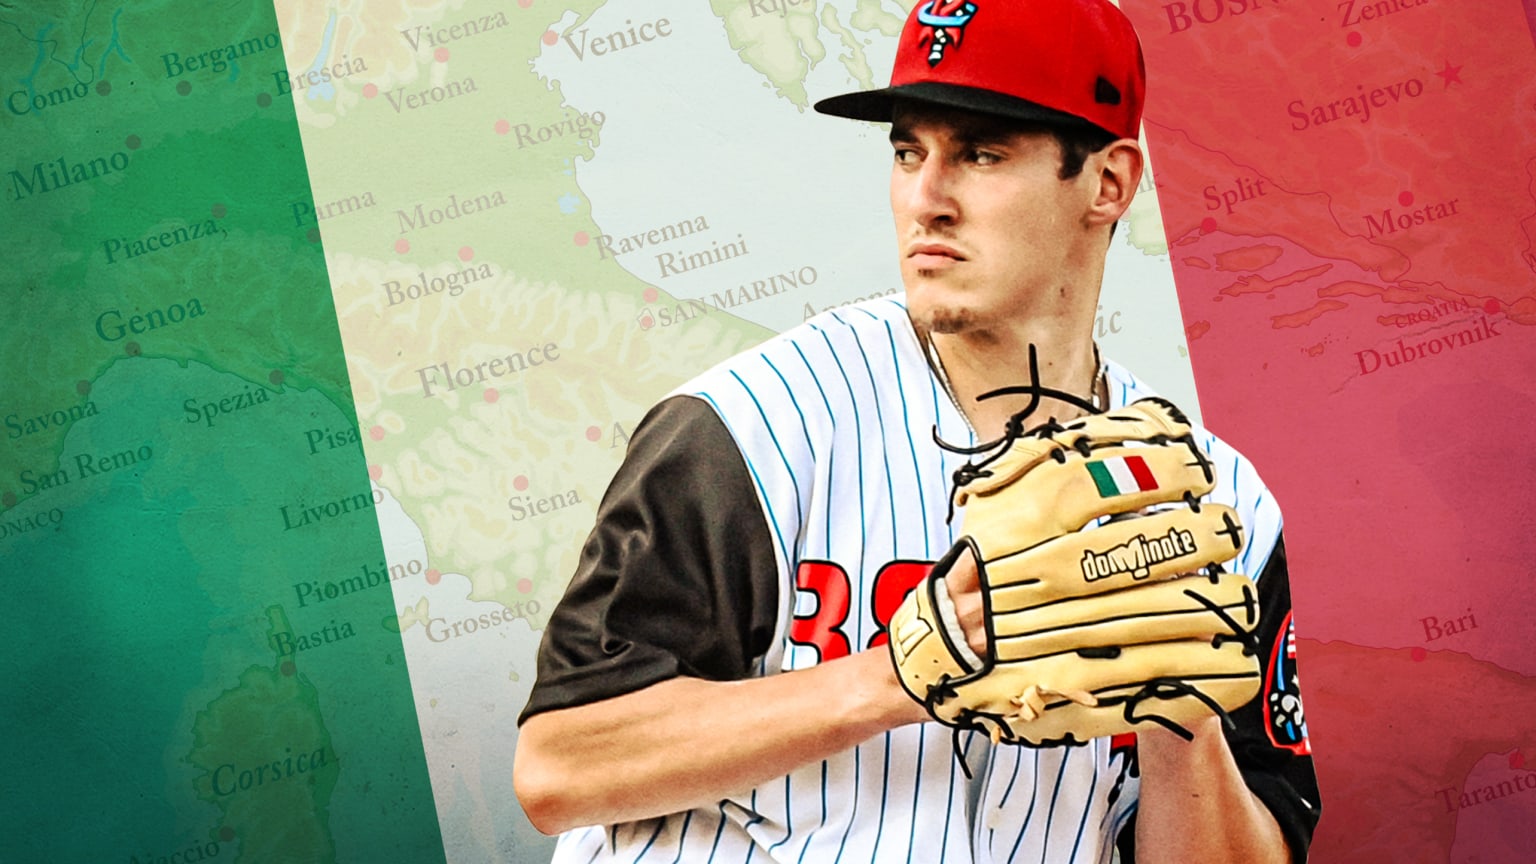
{"points": [[835, 421]]}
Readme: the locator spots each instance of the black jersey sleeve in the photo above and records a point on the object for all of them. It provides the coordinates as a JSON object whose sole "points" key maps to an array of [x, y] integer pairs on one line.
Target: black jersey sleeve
{"points": [[1269, 744], [678, 577]]}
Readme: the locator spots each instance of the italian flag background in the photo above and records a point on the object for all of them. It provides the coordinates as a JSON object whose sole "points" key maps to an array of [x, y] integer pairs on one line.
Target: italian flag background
{"points": [[251, 614]]}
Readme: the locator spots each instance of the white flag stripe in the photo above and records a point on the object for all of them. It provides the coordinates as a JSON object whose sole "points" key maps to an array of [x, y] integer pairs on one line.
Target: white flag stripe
{"points": [[1125, 481]]}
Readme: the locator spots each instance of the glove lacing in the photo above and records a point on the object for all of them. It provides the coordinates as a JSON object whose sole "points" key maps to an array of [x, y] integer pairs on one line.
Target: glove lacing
{"points": [[970, 720], [1014, 428]]}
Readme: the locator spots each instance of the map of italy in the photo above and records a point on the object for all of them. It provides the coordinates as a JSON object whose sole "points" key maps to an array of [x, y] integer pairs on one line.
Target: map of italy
{"points": [[334, 321]]}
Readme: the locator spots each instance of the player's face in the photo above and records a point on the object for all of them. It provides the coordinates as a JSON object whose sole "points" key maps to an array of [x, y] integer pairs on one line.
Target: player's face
{"points": [[986, 229]]}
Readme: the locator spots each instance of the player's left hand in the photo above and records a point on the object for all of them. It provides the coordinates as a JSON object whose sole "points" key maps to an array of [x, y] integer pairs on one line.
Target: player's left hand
{"points": [[1077, 633]]}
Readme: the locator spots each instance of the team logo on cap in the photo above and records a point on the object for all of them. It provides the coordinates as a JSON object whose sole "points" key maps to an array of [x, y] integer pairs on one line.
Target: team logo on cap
{"points": [[943, 24]]}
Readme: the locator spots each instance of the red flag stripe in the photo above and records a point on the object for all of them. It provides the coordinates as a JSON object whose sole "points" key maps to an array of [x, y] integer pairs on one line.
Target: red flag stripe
{"points": [[1144, 479]]}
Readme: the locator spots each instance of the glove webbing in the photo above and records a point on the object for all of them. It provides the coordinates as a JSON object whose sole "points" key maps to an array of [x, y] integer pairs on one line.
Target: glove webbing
{"points": [[1014, 428]]}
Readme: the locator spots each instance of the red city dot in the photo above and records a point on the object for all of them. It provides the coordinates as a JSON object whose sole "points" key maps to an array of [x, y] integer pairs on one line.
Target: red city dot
{"points": [[594, 433], [525, 586], [402, 246], [1517, 760], [551, 37], [370, 90], [287, 668], [1207, 225], [226, 834], [582, 238], [466, 253], [492, 394], [650, 295], [441, 55], [1354, 40], [1418, 655], [434, 576], [1405, 199], [520, 483], [376, 472], [503, 127], [525, 3], [376, 433], [1491, 307], [647, 322]]}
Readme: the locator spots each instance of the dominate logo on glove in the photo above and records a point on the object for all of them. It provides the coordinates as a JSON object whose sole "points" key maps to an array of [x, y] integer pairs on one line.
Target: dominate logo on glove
{"points": [[1135, 555]]}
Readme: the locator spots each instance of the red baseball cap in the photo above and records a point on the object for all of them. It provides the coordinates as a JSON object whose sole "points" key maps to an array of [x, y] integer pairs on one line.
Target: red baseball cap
{"points": [[1052, 61]]}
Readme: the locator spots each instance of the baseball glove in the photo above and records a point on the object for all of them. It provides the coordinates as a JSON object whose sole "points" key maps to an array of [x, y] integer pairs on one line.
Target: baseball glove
{"points": [[1091, 630]]}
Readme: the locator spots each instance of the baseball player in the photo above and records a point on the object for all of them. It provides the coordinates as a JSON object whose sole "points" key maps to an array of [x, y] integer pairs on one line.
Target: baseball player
{"points": [[717, 683]]}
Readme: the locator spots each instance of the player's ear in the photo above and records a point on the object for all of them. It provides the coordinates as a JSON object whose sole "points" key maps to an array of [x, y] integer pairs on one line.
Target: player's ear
{"points": [[1119, 168]]}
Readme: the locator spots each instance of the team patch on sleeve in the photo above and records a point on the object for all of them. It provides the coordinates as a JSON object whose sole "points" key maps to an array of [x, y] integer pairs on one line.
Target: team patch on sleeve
{"points": [[1284, 718]]}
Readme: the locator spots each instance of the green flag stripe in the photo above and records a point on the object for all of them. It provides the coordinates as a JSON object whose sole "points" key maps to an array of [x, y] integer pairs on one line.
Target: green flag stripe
{"points": [[1103, 480]]}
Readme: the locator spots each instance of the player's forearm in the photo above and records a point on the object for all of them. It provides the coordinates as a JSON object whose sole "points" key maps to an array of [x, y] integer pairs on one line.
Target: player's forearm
{"points": [[687, 742], [1194, 805]]}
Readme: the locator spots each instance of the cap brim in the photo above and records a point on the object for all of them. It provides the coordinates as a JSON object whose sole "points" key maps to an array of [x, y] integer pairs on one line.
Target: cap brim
{"points": [[878, 105]]}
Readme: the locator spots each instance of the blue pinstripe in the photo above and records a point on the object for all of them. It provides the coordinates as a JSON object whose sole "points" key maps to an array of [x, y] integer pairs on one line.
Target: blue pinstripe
{"points": [[884, 451], [950, 528], [831, 418], [807, 845], [906, 416], [650, 842], [917, 787], [756, 818], [790, 392], [1030, 813], [1050, 815], [863, 542], [682, 836], [852, 813], [885, 791], [1093, 783], [719, 829], [789, 816], [858, 438], [922, 498], [949, 809], [863, 546], [1017, 761], [774, 437]]}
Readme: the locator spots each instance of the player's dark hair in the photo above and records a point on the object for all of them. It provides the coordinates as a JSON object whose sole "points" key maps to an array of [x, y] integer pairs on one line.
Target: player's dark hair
{"points": [[1077, 144]]}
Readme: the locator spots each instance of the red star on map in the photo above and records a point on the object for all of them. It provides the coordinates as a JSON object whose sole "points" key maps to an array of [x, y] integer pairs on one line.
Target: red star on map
{"points": [[1451, 74]]}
